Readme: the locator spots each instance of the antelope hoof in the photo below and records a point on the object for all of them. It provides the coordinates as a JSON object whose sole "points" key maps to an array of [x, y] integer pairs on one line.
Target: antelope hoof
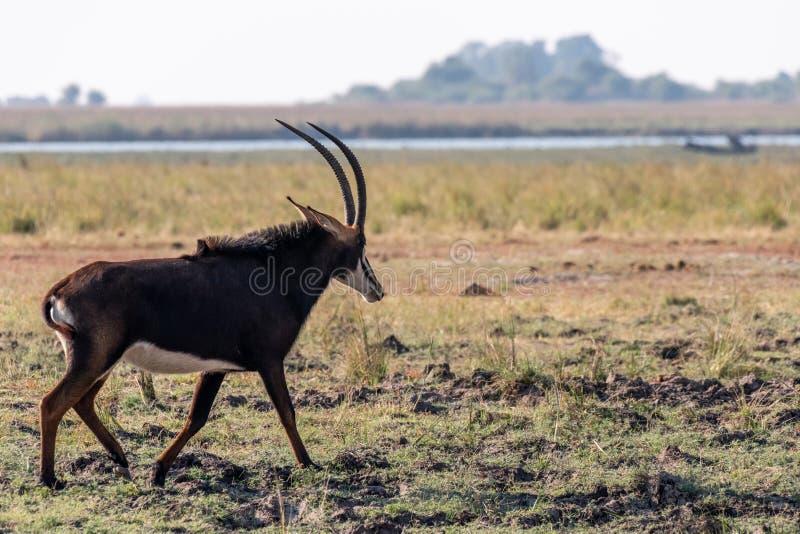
{"points": [[51, 482], [158, 476], [123, 472], [310, 465]]}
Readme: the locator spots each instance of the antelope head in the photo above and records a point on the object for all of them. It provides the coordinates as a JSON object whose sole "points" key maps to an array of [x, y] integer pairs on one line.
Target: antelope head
{"points": [[351, 266]]}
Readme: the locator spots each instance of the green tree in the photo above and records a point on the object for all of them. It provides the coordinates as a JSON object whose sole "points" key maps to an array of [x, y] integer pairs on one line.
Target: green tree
{"points": [[95, 98], [451, 70], [70, 95]]}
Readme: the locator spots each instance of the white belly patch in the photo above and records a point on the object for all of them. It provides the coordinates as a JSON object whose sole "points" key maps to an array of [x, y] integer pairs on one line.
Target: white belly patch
{"points": [[157, 360]]}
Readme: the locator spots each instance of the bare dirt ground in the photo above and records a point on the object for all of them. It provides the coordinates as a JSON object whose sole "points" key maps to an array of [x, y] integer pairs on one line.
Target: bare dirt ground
{"points": [[630, 384]]}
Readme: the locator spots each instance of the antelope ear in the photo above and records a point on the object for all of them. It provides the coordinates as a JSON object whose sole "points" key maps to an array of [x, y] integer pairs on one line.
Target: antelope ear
{"points": [[304, 211], [328, 223]]}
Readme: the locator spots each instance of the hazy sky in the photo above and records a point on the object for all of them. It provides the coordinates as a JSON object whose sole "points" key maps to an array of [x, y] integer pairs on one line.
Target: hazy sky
{"points": [[237, 51]]}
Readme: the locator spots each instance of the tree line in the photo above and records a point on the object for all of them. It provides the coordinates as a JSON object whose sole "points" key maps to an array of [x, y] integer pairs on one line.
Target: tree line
{"points": [[71, 95], [576, 71]]}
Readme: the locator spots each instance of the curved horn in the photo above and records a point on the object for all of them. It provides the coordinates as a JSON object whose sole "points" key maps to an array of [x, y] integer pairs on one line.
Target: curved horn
{"points": [[344, 185], [361, 186]]}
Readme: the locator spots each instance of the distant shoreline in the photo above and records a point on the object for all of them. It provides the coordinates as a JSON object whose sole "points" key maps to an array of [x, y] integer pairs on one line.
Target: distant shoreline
{"points": [[385, 133], [393, 121], [716, 144]]}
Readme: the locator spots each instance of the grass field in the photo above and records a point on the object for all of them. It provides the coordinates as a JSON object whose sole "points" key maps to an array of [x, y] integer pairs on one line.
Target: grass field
{"points": [[396, 120], [635, 367]]}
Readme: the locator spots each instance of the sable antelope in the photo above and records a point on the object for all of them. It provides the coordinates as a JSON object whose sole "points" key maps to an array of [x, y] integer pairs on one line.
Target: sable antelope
{"points": [[213, 312]]}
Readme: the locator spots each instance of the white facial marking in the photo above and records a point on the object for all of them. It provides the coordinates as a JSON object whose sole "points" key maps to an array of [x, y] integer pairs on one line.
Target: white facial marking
{"points": [[151, 358], [361, 279]]}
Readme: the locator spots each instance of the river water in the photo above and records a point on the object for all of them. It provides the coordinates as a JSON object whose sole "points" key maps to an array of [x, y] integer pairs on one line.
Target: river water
{"points": [[488, 143]]}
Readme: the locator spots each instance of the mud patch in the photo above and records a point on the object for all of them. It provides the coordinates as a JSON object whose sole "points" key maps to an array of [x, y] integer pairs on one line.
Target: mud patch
{"points": [[519, 391], [671, 454], [427, 402], [438, 372], [320, 399], [91, 464], [491, 387], [643, 267], [635, 421], [671, 349], [676, 389], [584, 386], [25, 429], [476, 290], [221, 473], [665, 489], [157, 431], [430, 464], [621, 387], [482, 377], [359, 459], [270, 510], [258, 404], [386, 524], [726, 437], [234, 401], [787, 417], [750, 384], [678, 266], [572, 332], [298, 362]]}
